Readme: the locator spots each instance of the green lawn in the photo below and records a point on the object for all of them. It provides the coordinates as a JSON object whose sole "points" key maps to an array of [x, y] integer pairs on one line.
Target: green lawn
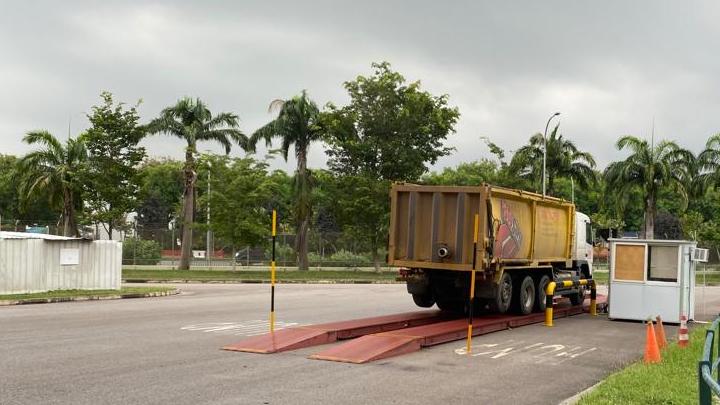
{"points": [[258, 276], [84, 293], [673, 381]]}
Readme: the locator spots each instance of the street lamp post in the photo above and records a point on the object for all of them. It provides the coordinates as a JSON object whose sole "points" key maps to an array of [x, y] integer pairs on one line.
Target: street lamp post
{"points": [[209, 233], [545, 151]]}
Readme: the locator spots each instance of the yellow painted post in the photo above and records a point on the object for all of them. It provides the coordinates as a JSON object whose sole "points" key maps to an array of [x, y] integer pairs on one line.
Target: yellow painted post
{"points": [[272, 274], [549, 292], [472, 286]]}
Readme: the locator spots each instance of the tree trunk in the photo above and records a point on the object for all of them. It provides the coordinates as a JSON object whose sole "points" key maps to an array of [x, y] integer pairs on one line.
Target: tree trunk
{"points": [[303, 211], [375, 258], [188, 210], [69, 224], [649, 218]]}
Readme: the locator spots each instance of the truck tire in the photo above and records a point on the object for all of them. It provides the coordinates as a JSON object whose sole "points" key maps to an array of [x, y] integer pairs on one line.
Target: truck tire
{"points": [[577, 299], [540, 295], [451, 306], [423, 300], [503, 297], [525, 300]]}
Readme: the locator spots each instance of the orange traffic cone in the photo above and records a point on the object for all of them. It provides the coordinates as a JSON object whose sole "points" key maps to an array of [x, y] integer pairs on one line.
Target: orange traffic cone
{"points": [[660, 333], [683, 332], [652, 351]]}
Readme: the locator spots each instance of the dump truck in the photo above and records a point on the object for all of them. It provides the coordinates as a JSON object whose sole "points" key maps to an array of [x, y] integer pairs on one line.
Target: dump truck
{"points": [[524, 241]]}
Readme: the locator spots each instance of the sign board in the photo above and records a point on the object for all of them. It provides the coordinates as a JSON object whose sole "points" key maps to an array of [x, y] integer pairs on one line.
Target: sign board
{"points": [[69, 257], [199, 254]]}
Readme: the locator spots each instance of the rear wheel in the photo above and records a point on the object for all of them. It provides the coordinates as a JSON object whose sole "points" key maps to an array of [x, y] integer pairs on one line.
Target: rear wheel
{"points": [[451, 305], [577, 299], [503, 296], [525, 296], [540, 295], [423, 300]]}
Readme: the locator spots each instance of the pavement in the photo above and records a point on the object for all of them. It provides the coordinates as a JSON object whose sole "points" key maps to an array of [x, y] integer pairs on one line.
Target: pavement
{"points": [[167, 350]]}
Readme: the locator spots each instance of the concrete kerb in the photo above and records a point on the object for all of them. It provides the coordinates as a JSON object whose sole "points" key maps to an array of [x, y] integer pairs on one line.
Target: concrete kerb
{"points": [[89, 298]]}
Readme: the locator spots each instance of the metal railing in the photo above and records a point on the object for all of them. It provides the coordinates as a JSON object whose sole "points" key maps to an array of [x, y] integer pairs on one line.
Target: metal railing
{"points": [[564, 285], [708, 375]]}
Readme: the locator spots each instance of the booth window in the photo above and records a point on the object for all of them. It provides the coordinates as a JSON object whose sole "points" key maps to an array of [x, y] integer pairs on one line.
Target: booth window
{"points": [[663, 263], [629, 262]]}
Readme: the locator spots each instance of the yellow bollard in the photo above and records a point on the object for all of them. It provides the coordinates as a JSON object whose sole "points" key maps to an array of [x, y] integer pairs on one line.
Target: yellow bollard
{"points": [[549, 292]]}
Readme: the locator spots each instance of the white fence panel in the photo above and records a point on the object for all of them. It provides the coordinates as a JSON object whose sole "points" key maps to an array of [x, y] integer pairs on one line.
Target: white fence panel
{"points": [[35, 265]]}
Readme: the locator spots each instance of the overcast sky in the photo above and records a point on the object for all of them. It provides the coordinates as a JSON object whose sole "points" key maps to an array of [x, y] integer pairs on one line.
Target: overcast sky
{"points": [[609, 67]]}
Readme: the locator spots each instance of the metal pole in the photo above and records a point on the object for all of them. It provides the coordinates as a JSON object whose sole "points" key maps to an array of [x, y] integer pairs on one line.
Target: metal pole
{"points": [[272, 275], [468, 349], [207, 242], [172, 245], [545, 151], [572, 190]]}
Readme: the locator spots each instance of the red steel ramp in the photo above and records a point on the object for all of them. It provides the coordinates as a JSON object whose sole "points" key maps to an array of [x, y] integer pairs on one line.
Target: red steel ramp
{"points": [[305, 336], [388, 344]]}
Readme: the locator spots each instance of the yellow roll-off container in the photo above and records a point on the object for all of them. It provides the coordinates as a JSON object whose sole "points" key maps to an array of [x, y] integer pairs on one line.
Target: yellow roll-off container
{"points": [[525, 240]]}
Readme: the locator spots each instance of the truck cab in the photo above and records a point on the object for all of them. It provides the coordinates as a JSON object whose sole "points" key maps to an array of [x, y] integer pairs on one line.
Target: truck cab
{"points": [[583, 250]]}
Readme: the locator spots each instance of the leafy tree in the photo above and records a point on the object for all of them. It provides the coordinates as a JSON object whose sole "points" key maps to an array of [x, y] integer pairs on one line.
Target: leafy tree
{"points": [[160, 193], [650, 169], [9, 207], [110, 174], [192, 121], [241, 191], [54, 171], [465, 174], [390, 131], [297, 126], [667, 226], [564, 160]]}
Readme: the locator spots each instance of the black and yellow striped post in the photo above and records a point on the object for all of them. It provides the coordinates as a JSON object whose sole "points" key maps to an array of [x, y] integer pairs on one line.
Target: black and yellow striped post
{"points": [[471, 301], [550, 293], [272, 273]]}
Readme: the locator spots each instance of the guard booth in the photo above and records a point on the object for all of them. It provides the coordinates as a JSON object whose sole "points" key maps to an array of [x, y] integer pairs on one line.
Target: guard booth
{"points": [[652, 277]]}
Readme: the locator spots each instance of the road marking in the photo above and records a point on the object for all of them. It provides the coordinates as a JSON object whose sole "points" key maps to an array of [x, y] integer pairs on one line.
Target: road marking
{"points": [[539, 352], [246, 328]]}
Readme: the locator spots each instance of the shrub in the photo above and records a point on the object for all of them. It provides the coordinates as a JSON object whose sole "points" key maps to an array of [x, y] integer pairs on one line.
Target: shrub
{"points": [[141, 251]]}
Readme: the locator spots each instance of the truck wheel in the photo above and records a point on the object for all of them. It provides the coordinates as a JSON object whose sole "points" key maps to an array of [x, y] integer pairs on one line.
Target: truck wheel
{"points": [[423, 300], [526, 296], [540, 295], [451, 306], [503, 296], [577, 299]]}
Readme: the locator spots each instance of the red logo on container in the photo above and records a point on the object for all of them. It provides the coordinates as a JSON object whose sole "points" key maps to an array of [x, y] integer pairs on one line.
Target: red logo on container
{"points": [[508, 238]]}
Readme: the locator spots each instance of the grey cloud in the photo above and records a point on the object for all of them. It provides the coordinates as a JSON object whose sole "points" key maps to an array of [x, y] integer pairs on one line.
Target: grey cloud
{"points": [[609, 67]]}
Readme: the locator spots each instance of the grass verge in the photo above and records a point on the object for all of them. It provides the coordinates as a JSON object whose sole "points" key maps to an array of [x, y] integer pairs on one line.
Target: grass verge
{"points": [[84, 293], [673, 381], [256, 276]]}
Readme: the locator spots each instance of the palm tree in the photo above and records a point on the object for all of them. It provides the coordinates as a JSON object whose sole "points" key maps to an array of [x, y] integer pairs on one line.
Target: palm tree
{"points": [[563, 160], [296, 126], [708, 166], [650, 168], [192, 121], [53, 170]]}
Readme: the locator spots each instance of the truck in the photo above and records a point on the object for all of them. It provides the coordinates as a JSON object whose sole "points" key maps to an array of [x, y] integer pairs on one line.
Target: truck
{"points": [[524, 240]]}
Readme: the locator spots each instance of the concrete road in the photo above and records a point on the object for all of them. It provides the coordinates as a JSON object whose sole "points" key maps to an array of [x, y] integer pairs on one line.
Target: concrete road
{"points": [[167, 350]]}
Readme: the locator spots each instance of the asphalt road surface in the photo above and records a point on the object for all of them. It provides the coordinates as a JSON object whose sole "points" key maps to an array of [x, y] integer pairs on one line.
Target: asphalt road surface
{"points": [[167, 350]]}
